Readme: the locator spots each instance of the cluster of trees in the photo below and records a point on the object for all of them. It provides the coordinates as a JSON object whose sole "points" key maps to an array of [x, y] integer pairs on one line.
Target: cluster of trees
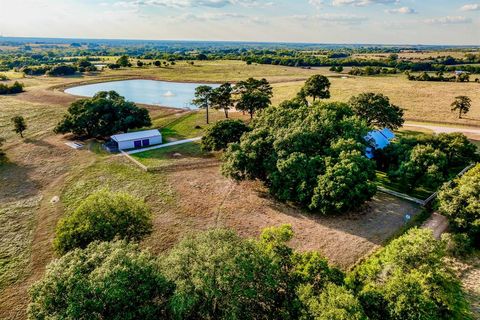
{"points": [[459, 201], [426, 160], [105, 114], [308, 153], [371, 71], [59, 70], [409, 279], [249, 96], [16, 87], [218, 275], [439, 77], [311, 155]]}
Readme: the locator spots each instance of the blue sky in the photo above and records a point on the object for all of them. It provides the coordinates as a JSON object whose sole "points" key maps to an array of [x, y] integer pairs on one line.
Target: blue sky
{"points": [[320, 21]]}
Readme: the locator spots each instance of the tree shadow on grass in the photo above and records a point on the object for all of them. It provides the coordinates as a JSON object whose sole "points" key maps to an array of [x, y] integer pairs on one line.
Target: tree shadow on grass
{"points": [[376, 221]]}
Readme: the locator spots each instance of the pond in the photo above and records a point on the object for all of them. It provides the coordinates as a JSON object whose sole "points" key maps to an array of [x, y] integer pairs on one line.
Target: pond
{"points": [[160, 93]]}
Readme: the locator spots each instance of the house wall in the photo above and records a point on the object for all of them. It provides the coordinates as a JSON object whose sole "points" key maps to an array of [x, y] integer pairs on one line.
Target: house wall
{"points": [[130, 144]]}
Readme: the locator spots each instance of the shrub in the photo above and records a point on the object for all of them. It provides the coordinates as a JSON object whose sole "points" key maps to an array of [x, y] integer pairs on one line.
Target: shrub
{"points": [[104, 281], [3, 77], [62, 70], [101, 217], [16, 87], [222, 133], [460, 203]]}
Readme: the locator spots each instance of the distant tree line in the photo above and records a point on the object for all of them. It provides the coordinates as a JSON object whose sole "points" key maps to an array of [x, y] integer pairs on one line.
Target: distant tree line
{"points": [[439, 77], [371, 71]]}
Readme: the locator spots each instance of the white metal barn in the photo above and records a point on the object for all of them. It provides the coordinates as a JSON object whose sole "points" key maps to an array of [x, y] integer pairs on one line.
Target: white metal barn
{"points": [[139, 139]]}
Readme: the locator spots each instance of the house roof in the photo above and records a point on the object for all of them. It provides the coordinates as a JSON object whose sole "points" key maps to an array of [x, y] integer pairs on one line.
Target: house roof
{"points": [[137, 135], [379, 139]]}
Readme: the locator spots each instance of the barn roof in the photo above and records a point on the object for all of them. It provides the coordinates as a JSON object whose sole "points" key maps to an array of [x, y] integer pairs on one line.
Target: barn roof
{"points": [[137, 135]]}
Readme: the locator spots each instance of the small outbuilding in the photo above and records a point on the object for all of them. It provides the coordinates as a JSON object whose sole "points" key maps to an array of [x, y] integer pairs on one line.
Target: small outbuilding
{"points": [[377, 140], [138, 139]]}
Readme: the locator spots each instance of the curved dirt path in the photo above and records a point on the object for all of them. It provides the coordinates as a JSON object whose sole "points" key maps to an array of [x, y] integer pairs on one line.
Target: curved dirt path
{"points": [[443, 129]]}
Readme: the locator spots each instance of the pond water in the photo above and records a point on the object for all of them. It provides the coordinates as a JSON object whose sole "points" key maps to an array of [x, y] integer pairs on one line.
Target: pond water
{"points": [[161, 93]]}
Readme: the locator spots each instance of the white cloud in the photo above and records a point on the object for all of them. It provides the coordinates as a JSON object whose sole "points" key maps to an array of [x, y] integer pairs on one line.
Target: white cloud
{"points": [[361, 3], [316, 3], [192, 3], [402, 10], [449, 20], [343, 19], [471, 7]]}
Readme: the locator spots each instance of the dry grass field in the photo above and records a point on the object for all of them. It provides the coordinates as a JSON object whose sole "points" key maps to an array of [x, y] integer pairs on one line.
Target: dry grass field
{"points": [[184, 198]]}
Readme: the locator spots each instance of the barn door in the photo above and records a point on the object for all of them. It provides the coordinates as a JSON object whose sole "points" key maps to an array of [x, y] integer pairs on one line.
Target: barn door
{"points": [[146, 142], [137, 144]]}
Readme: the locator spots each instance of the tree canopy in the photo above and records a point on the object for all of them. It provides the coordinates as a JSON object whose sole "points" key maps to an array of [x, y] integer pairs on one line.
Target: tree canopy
{"points": [[377, 110], [221, 98], [317, 86], [460, 203], [105, 114], [254, 95], [110, 281], [462, 104], [409, 279], [310, 155], [101, 217], [222, 133], [203, 98]]}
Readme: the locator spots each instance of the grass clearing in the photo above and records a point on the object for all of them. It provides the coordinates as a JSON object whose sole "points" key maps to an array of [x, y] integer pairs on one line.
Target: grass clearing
{"points": [[16, 225], [174, 155], [419, 193], [115, 174]]}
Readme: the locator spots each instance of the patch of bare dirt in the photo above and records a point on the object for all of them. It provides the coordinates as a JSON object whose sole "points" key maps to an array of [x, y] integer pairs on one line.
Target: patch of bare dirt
{"points": [[205, 199]]}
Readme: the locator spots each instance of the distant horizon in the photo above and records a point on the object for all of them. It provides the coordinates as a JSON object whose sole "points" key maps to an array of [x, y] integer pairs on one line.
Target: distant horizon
{"points": [[86, 39]]}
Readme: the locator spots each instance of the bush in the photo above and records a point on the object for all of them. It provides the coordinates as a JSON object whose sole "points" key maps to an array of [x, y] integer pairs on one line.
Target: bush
{"points": [[16, 87], [3, 77], [103, 216], [222, 133], [409, 279], [113, 66], [460, 203], [104, 281], [62, 70]]}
